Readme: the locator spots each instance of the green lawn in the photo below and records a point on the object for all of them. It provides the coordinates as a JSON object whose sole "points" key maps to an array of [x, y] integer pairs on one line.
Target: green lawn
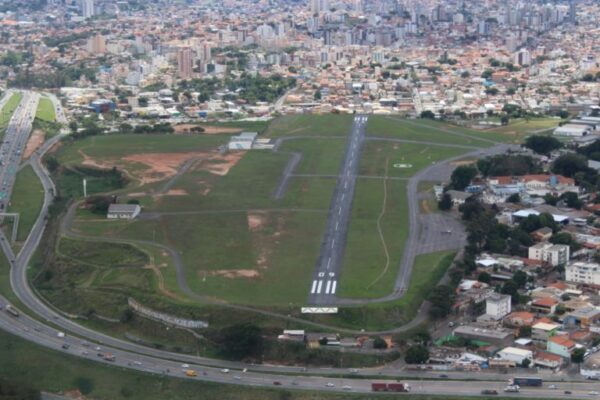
{"points": [[447, 128], [116, 146], [424, 130], [364, 273], [319, 156], [45, 110], [27, 199], [310, 125], [378, 155], [520, 128]]}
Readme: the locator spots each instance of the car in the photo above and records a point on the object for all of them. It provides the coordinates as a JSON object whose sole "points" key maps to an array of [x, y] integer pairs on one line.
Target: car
{"points": [[237, 377], [354, 370], [185, 365], [489, 392], [593, 393], [65, 346], [443, 376], [225, 370], [97, 348], [347, 387], [137, 363], [567, 392], [277, 383], [294, 383], [84, 353], [552, 387], [85, 344], [245, 370], [329, 384]]}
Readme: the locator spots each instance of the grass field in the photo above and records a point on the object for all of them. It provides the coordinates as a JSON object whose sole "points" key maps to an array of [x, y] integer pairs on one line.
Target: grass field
{"points": [[310, 125], [27, 198], [367, 272], [319, 156], [115, 146], [45, 110], [377, 156], [426, 131], [520, 128]]}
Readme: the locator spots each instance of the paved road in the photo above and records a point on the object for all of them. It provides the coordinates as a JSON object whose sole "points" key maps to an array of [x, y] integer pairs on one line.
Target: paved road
{"points": [[13, 143], [329, 263]]}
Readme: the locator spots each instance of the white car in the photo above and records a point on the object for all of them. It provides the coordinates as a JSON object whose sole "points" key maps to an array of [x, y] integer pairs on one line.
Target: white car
{"points": [[593, 393], [185, 365], [237, 377], [552, 387], [137, 363], [225, 370], [347, 387], [329, 384]]}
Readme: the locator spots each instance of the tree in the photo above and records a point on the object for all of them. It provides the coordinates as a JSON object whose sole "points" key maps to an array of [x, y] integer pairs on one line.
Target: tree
{"points": [[525, 331], [504, 120], [578, 355], [514, 198], [379, 343], [461, 177], [427, 114], [520, 278], [241, 340], [511, 288], [416, 355], [525, 363], [569, 164], [73, 126], [542, 144], [445, 203], [318, 95], [441, 299], [571, 199], [98, 204], [484, 277]]}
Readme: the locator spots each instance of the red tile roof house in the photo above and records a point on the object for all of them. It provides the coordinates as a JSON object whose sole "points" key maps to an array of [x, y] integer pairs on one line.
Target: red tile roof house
{"points": [[519, 318], [544, 305], [547, 360]]}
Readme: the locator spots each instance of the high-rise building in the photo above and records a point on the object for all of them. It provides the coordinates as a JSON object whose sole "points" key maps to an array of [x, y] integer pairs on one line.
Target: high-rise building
{"points": [[184, 62], [96, 44], [87, 8], [318, 6], [572, 11]]}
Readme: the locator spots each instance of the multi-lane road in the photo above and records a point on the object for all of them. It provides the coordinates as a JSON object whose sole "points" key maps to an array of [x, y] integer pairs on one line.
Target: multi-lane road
{"points": [[86, 343], [329, 264]]}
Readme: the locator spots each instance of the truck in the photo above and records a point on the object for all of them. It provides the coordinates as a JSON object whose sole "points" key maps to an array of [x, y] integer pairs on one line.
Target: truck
{"points": [[398, 387], [109, 357], [390, 387], [512, 389], [12, 311], [191, 373], [526, 381]]}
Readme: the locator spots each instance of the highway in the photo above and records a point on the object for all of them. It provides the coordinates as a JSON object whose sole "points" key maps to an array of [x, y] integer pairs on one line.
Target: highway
{"points": [[329, 263], [83, 342]]}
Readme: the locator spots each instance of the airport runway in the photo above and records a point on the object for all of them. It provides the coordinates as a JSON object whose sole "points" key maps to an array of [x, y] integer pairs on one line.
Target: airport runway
{"points": [[325, 278]]}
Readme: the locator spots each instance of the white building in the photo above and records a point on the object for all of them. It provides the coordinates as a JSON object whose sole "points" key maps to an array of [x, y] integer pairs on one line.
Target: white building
{"points": [[123, 211], [572, 130], [87, 8], [497, 306], [553, 254], [242, 142], [515, 355], [583, 272]]}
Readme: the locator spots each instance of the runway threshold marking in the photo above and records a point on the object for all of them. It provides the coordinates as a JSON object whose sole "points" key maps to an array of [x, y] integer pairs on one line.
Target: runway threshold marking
{"points": [[333, 286], [314, 287], [319, 287], [328, 287]]}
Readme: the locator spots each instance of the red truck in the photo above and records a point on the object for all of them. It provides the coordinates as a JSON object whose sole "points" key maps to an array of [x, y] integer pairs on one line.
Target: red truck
{"points": [[390, 387]]}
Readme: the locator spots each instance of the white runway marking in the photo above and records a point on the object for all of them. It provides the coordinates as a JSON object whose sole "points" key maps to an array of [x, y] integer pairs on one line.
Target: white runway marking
{"points": [[314, 287], [337, 226], [328, 262], [319, 287], [333, 287], [343, 195], [328, 287]]}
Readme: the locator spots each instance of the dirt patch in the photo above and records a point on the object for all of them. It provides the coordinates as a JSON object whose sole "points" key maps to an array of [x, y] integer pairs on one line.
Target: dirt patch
{"points": [[90, 162], [35, 141], [235, 273], [256, 220], [176, 192], [208, 129], [220, 164], [462, 162], [137, 194]]}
